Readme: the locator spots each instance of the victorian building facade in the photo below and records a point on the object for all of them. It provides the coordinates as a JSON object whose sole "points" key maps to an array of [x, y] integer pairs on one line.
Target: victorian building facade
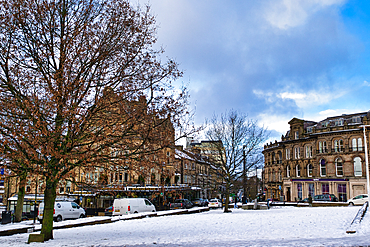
{"points": [[326, 157]]}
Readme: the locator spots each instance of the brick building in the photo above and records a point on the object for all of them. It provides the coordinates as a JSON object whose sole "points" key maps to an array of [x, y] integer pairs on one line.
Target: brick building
{"points": [[325, 157]]}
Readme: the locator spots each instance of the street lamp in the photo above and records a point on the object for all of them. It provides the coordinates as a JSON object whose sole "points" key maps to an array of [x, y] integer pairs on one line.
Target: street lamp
{"points": [[367, 165], [244, 198]]}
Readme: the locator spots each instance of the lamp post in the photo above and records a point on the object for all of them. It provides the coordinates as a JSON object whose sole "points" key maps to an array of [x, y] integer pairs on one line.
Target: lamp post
{"points": [[244, 178], [367, 164]]}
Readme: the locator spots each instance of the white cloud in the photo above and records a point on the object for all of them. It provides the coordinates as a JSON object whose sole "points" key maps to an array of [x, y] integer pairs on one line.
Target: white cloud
{"points": [[302, 100], [274, 122], [285, 14]]}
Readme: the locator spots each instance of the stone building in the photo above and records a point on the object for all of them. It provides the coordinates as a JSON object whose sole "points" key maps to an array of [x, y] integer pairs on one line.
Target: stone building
{"points": [[326, 157]]}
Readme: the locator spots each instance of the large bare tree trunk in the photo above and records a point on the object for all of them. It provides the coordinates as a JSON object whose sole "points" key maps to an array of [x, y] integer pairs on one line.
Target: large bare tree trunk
{"points": [[20, 200], [227, 195], [49, 200]]}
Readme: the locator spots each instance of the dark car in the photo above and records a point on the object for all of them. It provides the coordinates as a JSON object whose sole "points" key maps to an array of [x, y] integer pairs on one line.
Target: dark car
{"points": [[304, 200], [326, 198], [200, 202], [108, 211], [181, 203]]}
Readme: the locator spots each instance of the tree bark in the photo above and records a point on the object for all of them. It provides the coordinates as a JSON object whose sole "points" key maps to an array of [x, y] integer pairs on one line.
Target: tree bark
{"points": [[227, 195], [21, 192], [49, 200]]}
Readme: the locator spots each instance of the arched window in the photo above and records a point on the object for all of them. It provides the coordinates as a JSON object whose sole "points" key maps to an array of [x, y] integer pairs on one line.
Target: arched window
{"points": [[324, 147], [298, 171], [279, 175], [354, 144], [273, 176], [320, 147], [359, 144], [296, 152], [288, 171], [287, 153], [357, 166], [309, 170], [322, 168], [280, 157], [339, 167], [338, 146]]}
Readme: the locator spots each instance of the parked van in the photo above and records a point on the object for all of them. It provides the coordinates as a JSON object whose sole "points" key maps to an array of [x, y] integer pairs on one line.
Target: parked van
{"points": [[63, 210], [132, 205]]}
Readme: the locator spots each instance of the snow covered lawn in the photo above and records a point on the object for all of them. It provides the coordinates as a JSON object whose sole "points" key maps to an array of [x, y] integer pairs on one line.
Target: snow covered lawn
{"points": [[282, 226]]}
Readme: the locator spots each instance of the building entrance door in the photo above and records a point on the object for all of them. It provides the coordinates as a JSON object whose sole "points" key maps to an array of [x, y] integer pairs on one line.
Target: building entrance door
{"points": [[288, 194]]}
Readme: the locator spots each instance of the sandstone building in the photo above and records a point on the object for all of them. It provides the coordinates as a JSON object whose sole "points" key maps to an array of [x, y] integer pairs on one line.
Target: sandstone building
{"points": [[326, 157]]}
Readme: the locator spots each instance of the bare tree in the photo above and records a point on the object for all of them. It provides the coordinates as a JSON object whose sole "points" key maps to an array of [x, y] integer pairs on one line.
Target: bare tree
{"points": [[233, 136], [64, 65]]}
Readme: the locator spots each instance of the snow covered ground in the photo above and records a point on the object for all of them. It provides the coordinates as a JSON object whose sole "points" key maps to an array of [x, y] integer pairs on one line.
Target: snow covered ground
{"points": [[281, 226]]}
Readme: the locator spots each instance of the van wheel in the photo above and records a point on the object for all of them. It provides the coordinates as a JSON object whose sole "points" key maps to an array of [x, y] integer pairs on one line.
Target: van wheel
{"points": [[351, 204], [82, 216], [59, 218], [135, 212]]}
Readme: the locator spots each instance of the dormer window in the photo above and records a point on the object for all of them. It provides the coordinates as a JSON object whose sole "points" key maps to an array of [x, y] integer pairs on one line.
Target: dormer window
{"points": [[309, 129], [296, 135]]}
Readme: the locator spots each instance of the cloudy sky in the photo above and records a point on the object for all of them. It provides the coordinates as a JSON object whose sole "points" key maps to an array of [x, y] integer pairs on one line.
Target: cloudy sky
{"points": [[271, 59]]}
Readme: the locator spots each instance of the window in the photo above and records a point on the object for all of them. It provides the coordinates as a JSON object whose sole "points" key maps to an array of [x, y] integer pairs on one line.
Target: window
{"points": [[356, 120], [279, 175], [298, 170], [339, 167], [320, 147], [359, 144], [61, 190], [288, 171], [296, 152], [342, 192], [311, 190], [357, 166], [338, 146], [287, 153], [322, 168], [324, 148], [325, 189], [309, 129], [299, 191], [296, 135], [308, 151], [273, 176], [338, 122], [354, 144], [309, 170]]}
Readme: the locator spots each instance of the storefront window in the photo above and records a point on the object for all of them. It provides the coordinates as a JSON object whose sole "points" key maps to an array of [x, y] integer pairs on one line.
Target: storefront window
{"points": [[311, 190], [342, 192], [325, 188], [299, 191]]}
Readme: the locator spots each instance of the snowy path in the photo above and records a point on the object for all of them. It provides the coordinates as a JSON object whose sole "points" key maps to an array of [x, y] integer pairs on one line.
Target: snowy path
{"points": [[288, 226]]}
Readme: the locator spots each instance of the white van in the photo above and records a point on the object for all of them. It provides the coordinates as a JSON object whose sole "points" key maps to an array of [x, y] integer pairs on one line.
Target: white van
{"points": [[132, 205], [63, 210]]}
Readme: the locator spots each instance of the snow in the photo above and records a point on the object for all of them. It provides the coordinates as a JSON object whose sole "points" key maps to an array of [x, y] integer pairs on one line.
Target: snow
{"points": [[279, 226]]}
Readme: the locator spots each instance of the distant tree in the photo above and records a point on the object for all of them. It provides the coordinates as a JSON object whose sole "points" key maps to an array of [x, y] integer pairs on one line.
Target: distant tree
{"points": [[233, 137], [64, 64]]}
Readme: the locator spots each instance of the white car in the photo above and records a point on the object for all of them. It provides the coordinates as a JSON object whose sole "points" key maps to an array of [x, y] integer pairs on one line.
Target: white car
{"points": [[215, 203], [358, 200]]}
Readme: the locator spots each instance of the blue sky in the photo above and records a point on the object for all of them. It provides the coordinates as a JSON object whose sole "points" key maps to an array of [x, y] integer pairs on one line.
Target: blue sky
{"points": [[271, 59]]}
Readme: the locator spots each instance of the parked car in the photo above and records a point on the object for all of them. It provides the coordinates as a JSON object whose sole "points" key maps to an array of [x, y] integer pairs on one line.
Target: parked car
{"points": [[304, 200], [215, 203], [326, 198], [63, 210], [181, 203], [108, 211], [132, 205], [200, 202], [358, 200]]}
